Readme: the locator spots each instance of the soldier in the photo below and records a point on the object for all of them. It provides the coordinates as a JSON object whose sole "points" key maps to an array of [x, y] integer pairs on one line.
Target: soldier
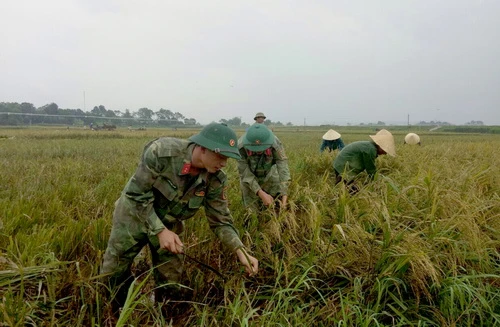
{"points": [[331, 141], [175, 177], [259, 118], [263, 168], [360, 156]]}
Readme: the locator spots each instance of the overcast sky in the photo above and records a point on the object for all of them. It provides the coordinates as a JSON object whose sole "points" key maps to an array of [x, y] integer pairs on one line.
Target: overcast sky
{"points": [[322, 62]]}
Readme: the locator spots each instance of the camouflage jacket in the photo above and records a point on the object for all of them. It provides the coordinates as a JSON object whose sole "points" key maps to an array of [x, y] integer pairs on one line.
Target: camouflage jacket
{"points": [[162, 191], [267, 170]]}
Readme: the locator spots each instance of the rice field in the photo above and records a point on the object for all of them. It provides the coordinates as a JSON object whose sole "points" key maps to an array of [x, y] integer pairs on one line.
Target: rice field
{"points": [[418, 246]]}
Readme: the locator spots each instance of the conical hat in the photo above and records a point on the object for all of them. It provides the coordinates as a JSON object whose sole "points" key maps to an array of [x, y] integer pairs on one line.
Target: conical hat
{"points": [[412, 138], [331, 135], [383, 132], [385, 140]]}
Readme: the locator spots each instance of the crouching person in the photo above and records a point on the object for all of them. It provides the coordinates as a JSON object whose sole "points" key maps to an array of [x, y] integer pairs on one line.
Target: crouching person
{"points": [[263, 169], [331, 140], [175, 177], [360, 156]]}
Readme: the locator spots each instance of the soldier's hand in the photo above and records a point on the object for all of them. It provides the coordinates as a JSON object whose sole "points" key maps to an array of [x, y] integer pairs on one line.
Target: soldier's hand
{"points": [[284, 201], [266, 198], [170, 241], [251, 264]]}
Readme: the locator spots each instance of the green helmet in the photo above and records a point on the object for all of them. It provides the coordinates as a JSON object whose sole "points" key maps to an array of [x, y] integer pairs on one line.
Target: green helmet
{"points": [[218, 138], [258, 138]]}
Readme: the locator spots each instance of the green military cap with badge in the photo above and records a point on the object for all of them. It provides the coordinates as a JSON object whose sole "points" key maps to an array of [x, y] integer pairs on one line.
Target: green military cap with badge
{"points": [[258, 138], [218, 138]]}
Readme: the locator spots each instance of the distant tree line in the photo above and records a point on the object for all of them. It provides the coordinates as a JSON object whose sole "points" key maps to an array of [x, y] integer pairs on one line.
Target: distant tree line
{"points": [[236, 121], [475, 123], [17, 114], [13, 114], [379, 123], [433, 123], [473, 129]]}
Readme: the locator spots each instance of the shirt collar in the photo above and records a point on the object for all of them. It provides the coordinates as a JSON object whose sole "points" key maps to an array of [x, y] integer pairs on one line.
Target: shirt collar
{"points": [[186, 167]]}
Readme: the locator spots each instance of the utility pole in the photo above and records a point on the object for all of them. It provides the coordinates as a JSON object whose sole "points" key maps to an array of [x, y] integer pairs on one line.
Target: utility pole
{"points": [[408, 120], [84, 101]]}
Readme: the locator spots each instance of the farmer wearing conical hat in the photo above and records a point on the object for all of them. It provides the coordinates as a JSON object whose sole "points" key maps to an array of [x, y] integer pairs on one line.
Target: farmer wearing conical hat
{"points": [[263, 168], [331, 141], [259, 118], [175, 177], [360, 156], [412, 138]]}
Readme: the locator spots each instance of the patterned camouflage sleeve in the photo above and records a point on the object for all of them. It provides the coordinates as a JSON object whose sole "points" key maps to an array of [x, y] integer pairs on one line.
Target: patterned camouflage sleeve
{"points": [[282, 164], [246, 175], [217, 211], [138, 192]]}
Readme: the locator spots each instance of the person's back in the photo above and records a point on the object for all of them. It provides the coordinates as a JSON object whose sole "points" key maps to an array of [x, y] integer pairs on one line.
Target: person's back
{"points": [[331, 145], [331, 141], [355, 158]]}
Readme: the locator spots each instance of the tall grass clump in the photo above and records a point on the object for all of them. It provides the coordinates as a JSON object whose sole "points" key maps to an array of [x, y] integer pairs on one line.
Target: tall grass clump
{"points": [[417, 246]]}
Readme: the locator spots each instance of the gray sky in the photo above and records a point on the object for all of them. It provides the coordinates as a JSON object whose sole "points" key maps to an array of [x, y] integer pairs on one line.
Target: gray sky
{"points": [[328, 61]]}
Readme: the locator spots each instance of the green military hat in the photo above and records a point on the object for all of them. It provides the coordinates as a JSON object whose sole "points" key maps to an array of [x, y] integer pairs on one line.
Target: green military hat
{"points": [[258, 138], [218, 138]]}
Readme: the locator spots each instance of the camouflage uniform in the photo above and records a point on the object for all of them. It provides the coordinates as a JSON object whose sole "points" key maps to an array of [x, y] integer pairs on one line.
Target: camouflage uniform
{"points": [[162, 194], [266, 170]]}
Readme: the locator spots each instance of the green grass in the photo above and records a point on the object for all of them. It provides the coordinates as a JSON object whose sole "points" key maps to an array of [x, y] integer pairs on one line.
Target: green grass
{"points": [[418, 246]]}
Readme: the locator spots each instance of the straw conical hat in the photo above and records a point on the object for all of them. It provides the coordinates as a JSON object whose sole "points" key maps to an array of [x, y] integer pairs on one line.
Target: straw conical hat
{"points": [[385, 140], [412, 138], [331, 135], [383, 132]]}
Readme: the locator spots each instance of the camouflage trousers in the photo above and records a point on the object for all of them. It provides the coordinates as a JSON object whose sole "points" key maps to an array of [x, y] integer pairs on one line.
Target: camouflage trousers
{"points": [[124, 244]]}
